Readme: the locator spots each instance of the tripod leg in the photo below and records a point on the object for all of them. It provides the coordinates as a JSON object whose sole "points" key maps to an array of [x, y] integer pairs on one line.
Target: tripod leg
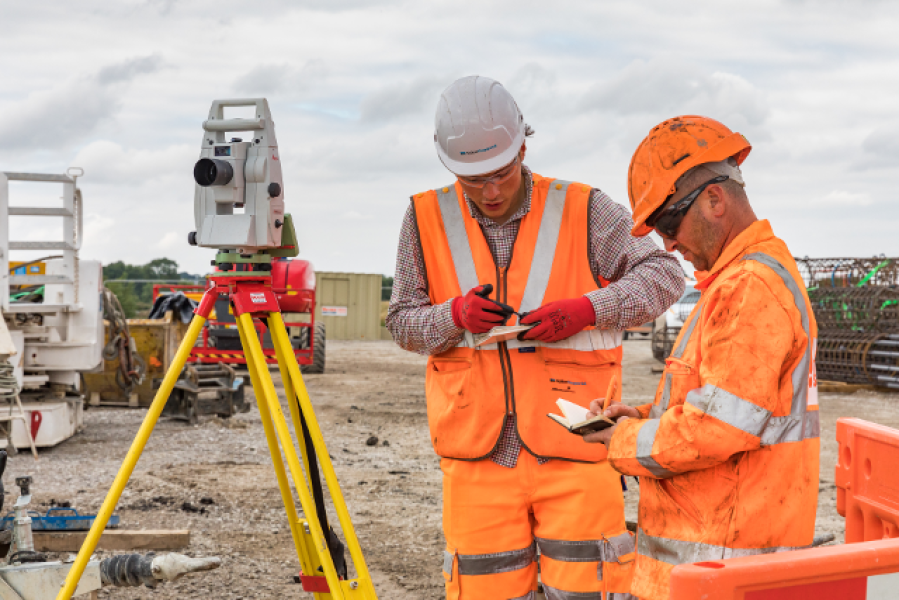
{"points": [[253, 350], [277, 462], [285, 354], [137, 447]]}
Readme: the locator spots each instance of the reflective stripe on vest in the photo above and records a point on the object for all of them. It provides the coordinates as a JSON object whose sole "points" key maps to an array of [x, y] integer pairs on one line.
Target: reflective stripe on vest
{"points": [[801, 424], [457, 237], [657, 409], [489, 564], [532, 595], [538, 277], [679, 552]]}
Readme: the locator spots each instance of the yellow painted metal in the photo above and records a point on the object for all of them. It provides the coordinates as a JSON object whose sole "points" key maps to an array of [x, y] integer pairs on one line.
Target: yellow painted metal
{"points": [[309, 539], [254, 349], [284, 349], [280, 474], [137, 447]]}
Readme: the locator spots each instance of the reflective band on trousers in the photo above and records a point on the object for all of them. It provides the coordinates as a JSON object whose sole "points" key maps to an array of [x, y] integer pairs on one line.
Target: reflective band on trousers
{"points": [[489, 564], [604, 550], [556, 594], [679, 552]]}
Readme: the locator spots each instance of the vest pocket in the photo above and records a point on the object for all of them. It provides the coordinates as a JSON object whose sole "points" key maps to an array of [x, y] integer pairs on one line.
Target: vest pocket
{"points": [[448, 380], [578, 383]]}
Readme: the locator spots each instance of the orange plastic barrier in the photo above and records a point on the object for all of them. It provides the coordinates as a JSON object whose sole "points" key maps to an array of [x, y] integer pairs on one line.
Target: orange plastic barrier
{"points": [[863, 571], [865, 568], [867, 479]]}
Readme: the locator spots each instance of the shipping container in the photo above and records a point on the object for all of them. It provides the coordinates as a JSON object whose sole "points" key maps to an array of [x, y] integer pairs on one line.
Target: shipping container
{"points": [[349, 304]]}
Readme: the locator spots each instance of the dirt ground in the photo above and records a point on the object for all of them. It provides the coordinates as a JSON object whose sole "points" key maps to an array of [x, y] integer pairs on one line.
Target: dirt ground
{"points": [[216, 478]]}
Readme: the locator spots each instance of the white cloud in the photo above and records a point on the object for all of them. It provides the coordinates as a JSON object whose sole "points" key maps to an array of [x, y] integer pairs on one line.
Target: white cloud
{"points": [[844, 198], [353, 84], [72, 110]]}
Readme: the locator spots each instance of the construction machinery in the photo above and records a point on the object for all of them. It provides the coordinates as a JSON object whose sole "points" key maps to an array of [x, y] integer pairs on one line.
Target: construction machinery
{"points": [[293, 282], [51, 304]]}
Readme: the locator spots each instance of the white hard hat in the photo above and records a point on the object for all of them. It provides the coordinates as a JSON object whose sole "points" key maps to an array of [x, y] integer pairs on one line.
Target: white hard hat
{"points": [[478, 127]]}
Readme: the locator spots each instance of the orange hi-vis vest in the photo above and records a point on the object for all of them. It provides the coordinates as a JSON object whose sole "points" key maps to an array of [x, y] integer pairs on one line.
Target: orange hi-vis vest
{"points": [[728, 453], [472, 390]]}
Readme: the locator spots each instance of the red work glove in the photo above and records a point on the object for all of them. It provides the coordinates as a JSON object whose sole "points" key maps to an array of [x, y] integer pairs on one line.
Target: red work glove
{"points": [[559, 320], [477, 313]]}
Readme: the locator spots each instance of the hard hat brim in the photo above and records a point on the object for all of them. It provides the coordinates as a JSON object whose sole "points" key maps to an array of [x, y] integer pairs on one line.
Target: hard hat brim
{"points": [[470, 169]]}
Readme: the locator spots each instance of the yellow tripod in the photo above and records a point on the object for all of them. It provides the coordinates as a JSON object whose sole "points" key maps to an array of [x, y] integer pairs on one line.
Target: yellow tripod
{"points": [[251, 296]]}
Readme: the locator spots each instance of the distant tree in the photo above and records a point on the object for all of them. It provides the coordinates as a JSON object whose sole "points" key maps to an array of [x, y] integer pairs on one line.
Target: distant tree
{"points": [[386, 287], [137, 296]]}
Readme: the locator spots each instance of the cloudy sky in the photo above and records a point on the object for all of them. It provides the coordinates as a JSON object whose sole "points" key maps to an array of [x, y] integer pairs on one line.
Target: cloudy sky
{"points": [[121, 89]]}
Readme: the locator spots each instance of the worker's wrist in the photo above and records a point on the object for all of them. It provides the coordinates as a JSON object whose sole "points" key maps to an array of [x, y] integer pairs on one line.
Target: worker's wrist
{"points": [[606, 308]]}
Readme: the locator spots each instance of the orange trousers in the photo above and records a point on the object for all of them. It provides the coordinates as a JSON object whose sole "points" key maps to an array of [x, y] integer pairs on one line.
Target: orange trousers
{"points": [[495, 519]]}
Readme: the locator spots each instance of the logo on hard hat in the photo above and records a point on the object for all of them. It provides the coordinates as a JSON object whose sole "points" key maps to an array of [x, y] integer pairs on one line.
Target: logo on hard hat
{"points": [[478, 151]]}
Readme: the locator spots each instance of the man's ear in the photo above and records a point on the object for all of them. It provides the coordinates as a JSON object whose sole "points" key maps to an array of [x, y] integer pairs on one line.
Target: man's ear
{"points": [[521, 153], [717, 200]]}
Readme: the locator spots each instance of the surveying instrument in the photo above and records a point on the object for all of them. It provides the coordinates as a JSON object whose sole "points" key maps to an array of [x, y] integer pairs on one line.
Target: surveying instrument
{"points": [[239, 211]]}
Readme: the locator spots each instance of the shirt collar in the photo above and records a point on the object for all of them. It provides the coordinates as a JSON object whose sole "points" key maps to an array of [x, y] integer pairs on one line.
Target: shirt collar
{"points": [[756, 233], [519, 214]]}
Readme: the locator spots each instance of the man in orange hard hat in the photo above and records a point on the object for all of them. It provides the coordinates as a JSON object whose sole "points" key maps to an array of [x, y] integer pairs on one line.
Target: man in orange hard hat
{"points": [[499, 239], [727, 453]]}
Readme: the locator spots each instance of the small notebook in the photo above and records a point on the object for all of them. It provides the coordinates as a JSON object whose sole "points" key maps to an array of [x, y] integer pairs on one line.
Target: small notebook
{"points": [[503, 333], [576, 420]]}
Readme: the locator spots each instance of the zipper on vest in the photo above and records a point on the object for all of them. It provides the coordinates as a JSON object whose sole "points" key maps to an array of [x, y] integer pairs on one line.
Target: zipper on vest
{"points": [[505, 361]]}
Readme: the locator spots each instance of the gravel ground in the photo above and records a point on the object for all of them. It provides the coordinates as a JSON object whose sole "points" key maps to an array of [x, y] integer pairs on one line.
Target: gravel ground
{"points": [[216, 479]]}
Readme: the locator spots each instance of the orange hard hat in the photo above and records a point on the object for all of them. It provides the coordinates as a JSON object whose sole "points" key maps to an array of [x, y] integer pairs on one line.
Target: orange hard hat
{"points": [[672, 148]]}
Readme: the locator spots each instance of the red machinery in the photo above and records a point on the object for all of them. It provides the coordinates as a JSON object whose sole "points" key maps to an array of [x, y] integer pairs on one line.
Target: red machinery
{"points": [[293, 282]]}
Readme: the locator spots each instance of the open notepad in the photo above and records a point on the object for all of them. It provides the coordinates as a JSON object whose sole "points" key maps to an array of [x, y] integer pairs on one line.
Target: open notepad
{"points": [[576, 421], [503, 333]]}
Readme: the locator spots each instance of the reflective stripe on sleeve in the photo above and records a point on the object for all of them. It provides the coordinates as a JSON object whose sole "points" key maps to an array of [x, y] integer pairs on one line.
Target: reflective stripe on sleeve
{"points": [[729, 408], [497, 562], [457, 237], [545, 248], [679, 552], [658, 409], [800, 374], [782, 430], [645, 438]]}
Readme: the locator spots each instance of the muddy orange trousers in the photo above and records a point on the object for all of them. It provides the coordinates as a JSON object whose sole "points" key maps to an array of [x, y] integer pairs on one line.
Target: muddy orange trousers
{"points": [[497, 519]]}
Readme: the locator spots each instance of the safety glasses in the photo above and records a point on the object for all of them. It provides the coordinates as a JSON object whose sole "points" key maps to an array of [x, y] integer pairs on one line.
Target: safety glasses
{"points": [[498, 177], [667, 220]]}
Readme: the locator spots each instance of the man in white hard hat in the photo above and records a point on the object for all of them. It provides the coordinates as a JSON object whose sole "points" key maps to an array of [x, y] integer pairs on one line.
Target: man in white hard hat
{"points": [[499, 245]]}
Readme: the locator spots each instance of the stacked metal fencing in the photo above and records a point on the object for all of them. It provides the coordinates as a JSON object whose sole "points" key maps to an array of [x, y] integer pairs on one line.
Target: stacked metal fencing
{"points": [[856, 305]]}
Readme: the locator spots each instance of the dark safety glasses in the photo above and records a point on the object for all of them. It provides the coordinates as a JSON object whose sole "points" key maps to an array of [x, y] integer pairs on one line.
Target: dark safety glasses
{"points": [[667, 220]]}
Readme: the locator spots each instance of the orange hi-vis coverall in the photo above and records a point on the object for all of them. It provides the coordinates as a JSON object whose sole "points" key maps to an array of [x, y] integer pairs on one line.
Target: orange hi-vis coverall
{"points": [[728, 452], [570, 508]]}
